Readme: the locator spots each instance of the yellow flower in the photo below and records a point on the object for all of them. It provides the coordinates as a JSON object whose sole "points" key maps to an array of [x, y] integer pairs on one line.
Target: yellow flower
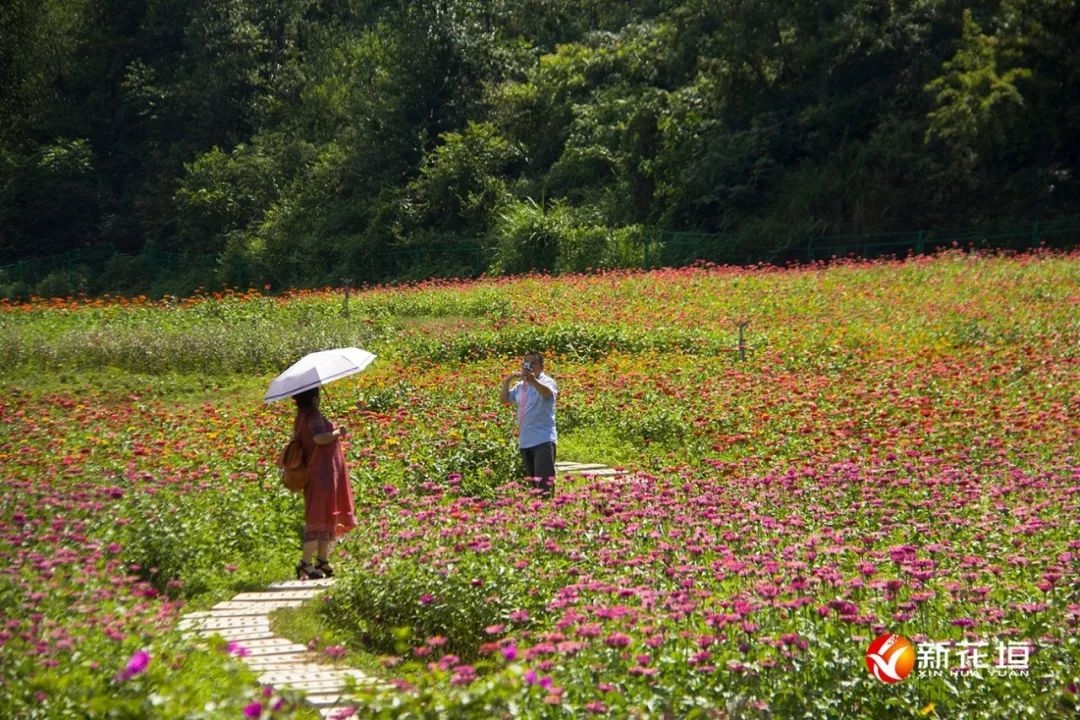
{"points": [[927, 710]]}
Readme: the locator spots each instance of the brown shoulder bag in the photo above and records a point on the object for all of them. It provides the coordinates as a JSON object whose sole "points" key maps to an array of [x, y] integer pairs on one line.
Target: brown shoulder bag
{"points": [[293, 464]]}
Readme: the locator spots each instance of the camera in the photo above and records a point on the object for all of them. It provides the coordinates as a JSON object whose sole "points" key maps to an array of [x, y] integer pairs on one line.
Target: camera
{"points": [[527, 366]]}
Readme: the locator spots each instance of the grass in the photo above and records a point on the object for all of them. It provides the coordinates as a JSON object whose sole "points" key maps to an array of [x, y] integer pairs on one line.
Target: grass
{"points": [[597, 444], [305, 625], [182, 388]]}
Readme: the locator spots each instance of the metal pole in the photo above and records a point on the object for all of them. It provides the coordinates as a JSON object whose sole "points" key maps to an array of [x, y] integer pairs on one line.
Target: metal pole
{"points": [[742, 340], [348, 283]]}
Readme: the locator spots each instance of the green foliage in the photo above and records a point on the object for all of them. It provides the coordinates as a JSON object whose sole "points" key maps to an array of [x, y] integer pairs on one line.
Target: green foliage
{"points": [[460, 183], [529, 235], [304, 143], [973, 97], [183, 542], [221, 195], [216, 335], [179, 683], [404, 604]]}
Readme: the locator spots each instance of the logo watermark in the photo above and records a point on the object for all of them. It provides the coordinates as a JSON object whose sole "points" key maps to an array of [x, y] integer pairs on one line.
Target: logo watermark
{"points": [[891, 658]]}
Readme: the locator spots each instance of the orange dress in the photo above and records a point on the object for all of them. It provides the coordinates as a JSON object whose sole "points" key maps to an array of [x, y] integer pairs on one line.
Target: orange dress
{"points": [[328, 501]]}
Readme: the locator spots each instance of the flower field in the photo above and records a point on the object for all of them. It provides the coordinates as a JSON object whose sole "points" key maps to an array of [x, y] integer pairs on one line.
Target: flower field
{"points": [[895, 451]]}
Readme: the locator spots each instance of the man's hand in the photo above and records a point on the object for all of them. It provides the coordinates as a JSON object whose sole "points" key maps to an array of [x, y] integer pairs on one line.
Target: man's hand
{"points": [[504, 392]]}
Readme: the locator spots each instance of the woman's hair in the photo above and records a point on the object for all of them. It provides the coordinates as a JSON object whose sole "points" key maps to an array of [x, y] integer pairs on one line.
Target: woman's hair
{"points": [[306, 399]]}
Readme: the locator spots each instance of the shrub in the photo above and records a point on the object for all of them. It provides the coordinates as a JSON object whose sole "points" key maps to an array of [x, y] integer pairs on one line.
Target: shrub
{"points": [[182, 541], [528, 237]]}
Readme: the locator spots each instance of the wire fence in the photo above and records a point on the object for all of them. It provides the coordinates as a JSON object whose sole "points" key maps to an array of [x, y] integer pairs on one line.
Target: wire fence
{"points": [[102, 267], [674, 249]]}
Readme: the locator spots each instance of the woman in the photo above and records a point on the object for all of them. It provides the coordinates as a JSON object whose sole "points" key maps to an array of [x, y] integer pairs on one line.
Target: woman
{"points": [[328, 501]]}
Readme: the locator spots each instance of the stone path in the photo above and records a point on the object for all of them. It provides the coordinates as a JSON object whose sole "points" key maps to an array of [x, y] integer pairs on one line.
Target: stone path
{"points": [[245, 620], [589, 469], [279, 662]]}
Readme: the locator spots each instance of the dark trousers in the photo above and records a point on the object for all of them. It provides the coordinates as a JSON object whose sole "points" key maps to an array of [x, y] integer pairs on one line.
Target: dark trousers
{"points": [[540, 466]]}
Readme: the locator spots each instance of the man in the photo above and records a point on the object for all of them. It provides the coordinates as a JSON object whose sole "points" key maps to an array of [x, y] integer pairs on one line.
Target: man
{"points": [[535, 397]]}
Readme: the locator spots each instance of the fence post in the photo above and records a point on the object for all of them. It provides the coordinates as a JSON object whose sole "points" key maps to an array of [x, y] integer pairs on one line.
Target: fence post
{"points": [[1035, 235], [919, 246], [348, 283], [742, 340]]}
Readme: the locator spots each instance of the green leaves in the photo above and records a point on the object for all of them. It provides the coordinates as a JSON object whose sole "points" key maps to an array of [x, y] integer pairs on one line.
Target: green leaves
{"points": [[974, 94]]}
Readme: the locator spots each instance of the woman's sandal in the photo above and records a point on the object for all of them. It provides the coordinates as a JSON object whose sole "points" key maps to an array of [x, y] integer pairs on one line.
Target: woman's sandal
{"points": [[323, 566], [307, 571]]}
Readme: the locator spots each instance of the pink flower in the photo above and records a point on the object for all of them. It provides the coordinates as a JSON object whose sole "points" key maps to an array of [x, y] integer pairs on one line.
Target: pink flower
{"points": [[463, 675], [136, 665], [509, 653], [253, 710], [589, 630], [617, 640]]}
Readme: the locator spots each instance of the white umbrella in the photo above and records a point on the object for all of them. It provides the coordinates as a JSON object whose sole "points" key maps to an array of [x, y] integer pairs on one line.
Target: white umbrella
{"points": [[318, 368]]}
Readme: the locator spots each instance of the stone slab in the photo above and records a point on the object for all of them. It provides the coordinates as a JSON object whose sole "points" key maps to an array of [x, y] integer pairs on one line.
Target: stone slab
{"points": [[212, 623], [279, 647], [268, 642], [228, 634], [321, 687], [277, 662], [576, 467], [313, 671], [264, 606], [335, 712], [301, 584], [248, 612], [298, 593], [279, 677], [272, 646], [325, 700]]}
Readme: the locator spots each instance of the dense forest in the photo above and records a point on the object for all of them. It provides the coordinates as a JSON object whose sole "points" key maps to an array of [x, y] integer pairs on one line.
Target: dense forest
{"points": [[304, 141]]}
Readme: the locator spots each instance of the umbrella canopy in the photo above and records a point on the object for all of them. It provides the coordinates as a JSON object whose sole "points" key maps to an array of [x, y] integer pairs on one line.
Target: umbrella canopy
{"points": [[318, 368]]}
